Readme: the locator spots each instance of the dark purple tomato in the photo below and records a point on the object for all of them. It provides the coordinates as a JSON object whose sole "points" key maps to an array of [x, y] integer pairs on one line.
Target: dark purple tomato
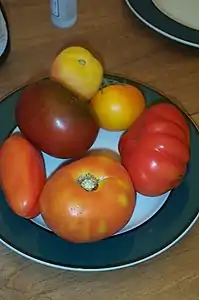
{"points": [[55, 120]]}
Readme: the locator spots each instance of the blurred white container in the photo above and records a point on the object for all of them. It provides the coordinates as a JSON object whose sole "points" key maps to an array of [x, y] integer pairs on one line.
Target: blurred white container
{"points": [[63, 13]]}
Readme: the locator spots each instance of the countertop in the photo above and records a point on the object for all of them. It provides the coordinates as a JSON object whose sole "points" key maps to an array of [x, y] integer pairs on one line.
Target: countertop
{"points": [[128, 48]]}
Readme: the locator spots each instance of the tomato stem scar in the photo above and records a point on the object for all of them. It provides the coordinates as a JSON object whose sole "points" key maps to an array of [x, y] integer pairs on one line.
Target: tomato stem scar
{"points": [[88, 182], [82, 62]]}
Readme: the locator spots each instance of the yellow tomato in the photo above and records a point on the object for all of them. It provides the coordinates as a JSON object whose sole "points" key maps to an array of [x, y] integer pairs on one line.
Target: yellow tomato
{"points": [[78, 70], [118, 106]]}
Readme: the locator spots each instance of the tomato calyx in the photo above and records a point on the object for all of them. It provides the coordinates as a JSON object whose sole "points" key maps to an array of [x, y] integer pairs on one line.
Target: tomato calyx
{"points": [[82, 62], [88, 182]]}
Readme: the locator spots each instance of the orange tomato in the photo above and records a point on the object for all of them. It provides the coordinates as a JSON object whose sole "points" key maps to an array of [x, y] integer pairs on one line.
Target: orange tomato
{"points": [[88, 200], [78, 70], [118, 106], [104, 152], [22, 175]]}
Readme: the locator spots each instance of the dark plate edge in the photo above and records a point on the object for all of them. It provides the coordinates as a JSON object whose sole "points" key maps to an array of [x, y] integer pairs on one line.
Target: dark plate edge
{"points": [[131, 263], [161, 31]]}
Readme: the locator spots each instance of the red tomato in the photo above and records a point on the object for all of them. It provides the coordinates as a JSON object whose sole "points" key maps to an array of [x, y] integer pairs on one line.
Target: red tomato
{"points": [[155, 150], [22, 175], [88, 200]]}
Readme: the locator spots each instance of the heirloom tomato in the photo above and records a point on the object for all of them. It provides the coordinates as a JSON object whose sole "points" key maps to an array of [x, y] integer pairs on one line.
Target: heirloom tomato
{"points": [[88, 200], [155, 150], [53, 119], [78, 70], [104, 152], [117, 106], [22, 175]]}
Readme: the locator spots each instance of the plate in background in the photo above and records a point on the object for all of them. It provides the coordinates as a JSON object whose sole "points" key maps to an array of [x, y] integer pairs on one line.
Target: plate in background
{"points": [[152, 15], [152, 232], [184, 12]]}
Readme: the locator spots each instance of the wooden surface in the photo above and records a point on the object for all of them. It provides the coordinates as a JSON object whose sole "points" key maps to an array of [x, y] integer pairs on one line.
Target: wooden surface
{"points": [[127, 48]]}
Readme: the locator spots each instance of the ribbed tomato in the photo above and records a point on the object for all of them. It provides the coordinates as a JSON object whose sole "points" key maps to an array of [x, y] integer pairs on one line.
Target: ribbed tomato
{"points": [[155, 150]]}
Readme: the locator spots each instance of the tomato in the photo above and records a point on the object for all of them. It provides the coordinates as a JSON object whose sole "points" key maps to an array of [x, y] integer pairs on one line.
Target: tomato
{"points": [[88, 200], [155, 150], [55, 121], [22, 175], [104, 152], [117, 106], [77, 69]]}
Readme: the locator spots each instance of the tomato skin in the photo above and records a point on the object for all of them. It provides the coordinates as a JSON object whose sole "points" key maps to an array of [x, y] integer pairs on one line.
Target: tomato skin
{"points": [[83, 80], [104, 152], [117, 106], [78, 215], [22, 175], [56, 121], [155, 150]]}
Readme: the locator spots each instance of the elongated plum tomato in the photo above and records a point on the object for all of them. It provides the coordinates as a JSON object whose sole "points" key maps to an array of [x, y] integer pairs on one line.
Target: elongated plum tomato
{"points": [[156, 149], [22, 175], [55, 120], [88, 200]]}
